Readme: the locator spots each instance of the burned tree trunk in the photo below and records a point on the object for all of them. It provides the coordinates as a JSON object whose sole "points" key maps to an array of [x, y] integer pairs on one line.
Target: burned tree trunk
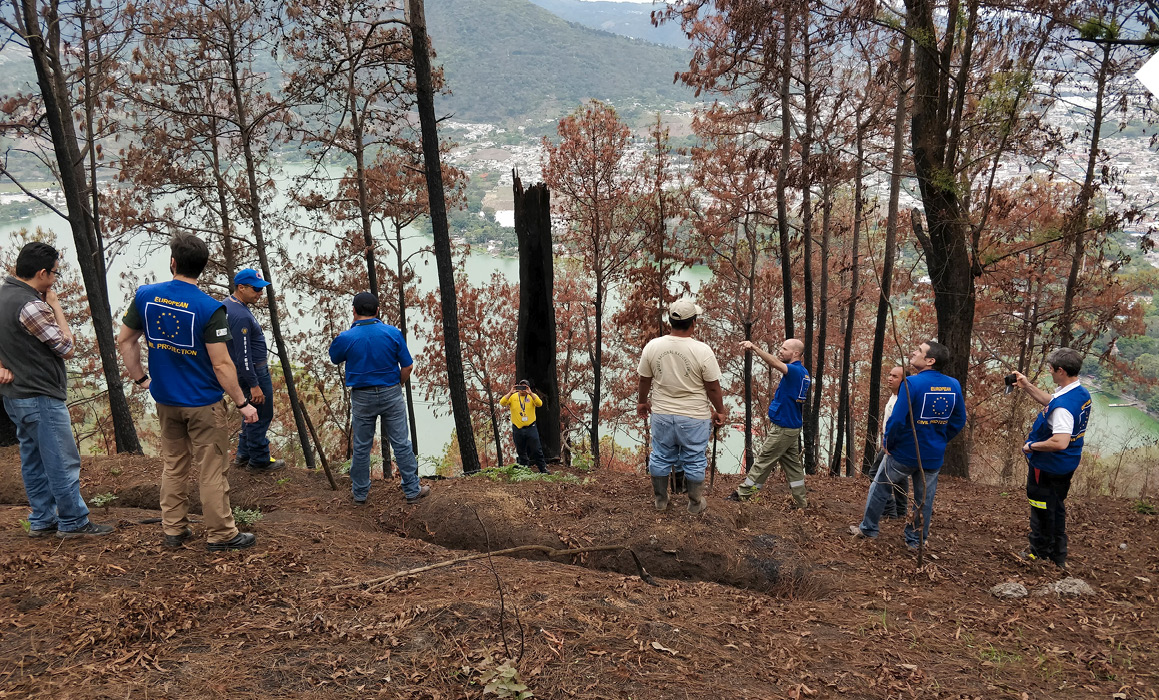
{"points": [[535, 346]]}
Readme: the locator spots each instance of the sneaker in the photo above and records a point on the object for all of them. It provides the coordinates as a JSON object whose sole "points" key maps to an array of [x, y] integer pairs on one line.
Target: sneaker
{"points": [[855, 530], [423, 492], [911, 546], [89, 530], [358, 501], [240, 541], [273, 466], [175, 541], [1027, 555], [42, 532]]}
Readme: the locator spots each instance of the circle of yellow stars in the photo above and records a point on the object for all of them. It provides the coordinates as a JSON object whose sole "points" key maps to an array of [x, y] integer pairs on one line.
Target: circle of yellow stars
{"points": [[176, 324], [941, 405]]}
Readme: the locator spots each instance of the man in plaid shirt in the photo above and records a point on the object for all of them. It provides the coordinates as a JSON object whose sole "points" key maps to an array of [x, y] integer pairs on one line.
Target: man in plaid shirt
{"points": [[35, 340]]}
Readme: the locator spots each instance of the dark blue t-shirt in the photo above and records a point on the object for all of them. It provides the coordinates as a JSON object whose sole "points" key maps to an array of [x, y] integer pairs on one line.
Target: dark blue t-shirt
{"points": [[374, 353], [248, 346], [789, 399]]}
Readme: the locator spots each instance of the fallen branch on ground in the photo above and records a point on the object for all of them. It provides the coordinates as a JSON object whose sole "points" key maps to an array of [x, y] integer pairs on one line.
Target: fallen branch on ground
{"points": [[383, 581]]}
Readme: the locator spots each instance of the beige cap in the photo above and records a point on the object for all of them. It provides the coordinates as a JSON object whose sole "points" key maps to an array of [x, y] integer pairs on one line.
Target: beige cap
{"points": [[683, 309]]}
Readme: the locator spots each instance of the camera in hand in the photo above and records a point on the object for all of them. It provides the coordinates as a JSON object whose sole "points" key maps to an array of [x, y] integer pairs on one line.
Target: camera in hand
{"points": [[1011, 380]]}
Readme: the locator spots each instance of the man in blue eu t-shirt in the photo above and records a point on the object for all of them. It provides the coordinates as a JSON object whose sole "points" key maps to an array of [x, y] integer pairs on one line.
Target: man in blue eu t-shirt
{"points": [[377, 365], [186, 332], [1053, 450], [938, 411], [782, 444], [247, 347]]}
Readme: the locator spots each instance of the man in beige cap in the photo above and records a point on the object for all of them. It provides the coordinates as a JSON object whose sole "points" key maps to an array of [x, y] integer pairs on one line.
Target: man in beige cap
{"points": [[683, 378]]}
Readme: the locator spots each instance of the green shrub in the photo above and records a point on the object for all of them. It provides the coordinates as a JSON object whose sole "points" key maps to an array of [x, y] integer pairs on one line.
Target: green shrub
{"points": [[246, 517]]}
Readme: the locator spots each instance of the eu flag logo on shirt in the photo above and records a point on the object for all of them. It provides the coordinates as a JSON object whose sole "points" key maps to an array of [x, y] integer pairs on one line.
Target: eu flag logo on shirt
{"points": [[937, 406], [165, 324]]}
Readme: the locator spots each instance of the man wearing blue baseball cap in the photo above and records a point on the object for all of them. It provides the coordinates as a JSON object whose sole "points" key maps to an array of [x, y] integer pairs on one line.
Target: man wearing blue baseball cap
{"points": [[249, 351]]}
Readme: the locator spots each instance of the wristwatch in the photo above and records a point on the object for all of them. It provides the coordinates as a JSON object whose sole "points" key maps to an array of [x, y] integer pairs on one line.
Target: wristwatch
{"points": [[243, 404], [142, 380]]}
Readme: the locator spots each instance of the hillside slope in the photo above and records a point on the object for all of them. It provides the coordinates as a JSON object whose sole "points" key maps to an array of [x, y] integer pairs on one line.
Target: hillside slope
{"points": [[749, 601], [508, 59]]}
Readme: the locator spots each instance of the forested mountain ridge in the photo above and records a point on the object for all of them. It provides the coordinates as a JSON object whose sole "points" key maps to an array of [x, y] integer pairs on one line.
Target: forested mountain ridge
{"points": [[509, 59], [627, 18]]}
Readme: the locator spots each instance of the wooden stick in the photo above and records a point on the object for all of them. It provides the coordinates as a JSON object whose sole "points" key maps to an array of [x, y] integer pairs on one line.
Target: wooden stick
{"points": [[383, 581], [318, 446]]}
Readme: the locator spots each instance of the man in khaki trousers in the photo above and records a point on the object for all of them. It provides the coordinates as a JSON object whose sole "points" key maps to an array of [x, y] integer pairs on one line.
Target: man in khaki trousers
{"points": [[785, 411], [186, 331]]}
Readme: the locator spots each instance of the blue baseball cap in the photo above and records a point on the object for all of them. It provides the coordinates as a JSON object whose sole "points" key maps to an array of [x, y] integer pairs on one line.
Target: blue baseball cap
{"points": [[250, 277]]}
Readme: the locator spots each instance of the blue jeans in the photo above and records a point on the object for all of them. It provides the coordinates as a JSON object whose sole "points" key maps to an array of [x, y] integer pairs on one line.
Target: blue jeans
{"points": [[891, 473], [679, 441], [368, 404], [49, 463], [252, 444]]}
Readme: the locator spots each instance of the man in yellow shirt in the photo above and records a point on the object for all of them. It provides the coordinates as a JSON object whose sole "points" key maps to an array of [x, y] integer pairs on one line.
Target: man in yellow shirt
{"points": [[523, 401]]}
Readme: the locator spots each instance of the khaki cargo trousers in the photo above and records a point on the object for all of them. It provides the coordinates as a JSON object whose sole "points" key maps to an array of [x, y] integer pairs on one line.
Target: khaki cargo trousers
{"points": [[198, 438], [781, 446]]}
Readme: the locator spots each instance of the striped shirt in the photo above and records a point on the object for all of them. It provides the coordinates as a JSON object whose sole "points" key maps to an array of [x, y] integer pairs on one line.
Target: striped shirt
{"points": [[39, 320]]}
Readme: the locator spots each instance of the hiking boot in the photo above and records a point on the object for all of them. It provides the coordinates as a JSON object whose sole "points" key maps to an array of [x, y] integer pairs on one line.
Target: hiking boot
{"points": [[696, 500], [660, 492], [42, 532], [358, 501], [175, 541], [239, 463], [855, 530], [89, 530], [1029, 556], [736, 497], [240, 541], [423, 492], [272, 466]]}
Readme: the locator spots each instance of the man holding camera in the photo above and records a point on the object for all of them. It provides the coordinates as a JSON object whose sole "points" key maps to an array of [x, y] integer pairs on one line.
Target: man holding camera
{"points": [[931, 408], [1053, 450], [522, 402]]}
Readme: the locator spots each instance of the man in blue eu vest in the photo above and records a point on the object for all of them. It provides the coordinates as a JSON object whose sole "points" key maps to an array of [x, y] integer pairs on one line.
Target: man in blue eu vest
{"points": [[929, 406], [1053, 450], [186, 331]]}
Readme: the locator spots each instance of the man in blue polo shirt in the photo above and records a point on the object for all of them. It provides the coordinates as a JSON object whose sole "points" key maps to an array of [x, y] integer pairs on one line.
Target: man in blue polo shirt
{"points": [[377, 365], [785, 417], [1053, 450], [938, 413], [247, 347]]}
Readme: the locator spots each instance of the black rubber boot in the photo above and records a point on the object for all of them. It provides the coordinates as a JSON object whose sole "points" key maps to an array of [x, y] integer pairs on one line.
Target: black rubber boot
{"points": [[678, 482], [660, 491], [696, 500]]}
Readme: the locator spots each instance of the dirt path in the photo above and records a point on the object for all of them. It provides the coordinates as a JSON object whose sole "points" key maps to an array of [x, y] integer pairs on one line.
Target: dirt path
{"points": [[752, 601]]}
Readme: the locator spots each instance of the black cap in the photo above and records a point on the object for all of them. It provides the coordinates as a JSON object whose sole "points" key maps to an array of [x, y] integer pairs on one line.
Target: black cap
{"points": [[365, 304]]}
